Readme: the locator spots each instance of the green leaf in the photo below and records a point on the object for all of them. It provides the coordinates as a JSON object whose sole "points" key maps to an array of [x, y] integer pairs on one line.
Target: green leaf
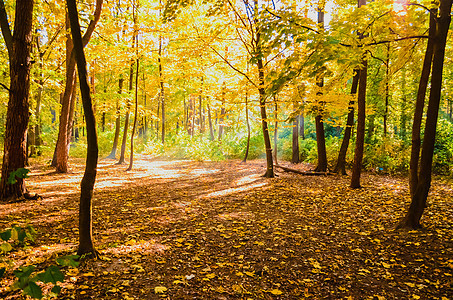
{"points": [[19, 173], [21, 235], [2, 272], [6, 247], [5, 235], [33, 290], [56, 289], [68, 260], [51, 275]]}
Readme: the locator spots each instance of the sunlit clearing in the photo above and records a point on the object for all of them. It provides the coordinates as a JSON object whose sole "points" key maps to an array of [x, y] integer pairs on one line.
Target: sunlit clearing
{"points": [[247, 179], [399, 7], [142, 247], [234, 190]]}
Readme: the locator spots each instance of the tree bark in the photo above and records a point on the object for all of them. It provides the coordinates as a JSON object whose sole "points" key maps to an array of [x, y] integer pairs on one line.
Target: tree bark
{"points": [[126, 121], [112, 154], [86, 245], [162, 91], [62, 146], [419, 199], [295, 159], [275, 131], [340, 167], [361, 117], [420, 104], [319, 124], [17, 115], [360, 135], [211, 129], [248, 126], [222, 113]]}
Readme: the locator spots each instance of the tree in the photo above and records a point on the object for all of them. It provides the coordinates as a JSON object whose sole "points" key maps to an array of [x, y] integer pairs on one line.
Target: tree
{"points": [[87, 185], [361, 102], [18, 45], [62, 146], [420, 195]]}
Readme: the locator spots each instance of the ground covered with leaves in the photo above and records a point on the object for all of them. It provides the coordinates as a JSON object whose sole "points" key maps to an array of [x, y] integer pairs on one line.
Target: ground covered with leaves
{"points": [[218, 230]]}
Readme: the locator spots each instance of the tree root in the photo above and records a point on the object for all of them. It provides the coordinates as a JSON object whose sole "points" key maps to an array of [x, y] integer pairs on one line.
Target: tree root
{"points": [[310, 173]]}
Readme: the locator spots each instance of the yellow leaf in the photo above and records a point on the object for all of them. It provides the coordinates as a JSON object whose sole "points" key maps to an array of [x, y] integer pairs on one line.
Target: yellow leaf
{"points": [[276, 292], [210, 276], [251, 274], [89, 274], [386, 265], [160, 289]]}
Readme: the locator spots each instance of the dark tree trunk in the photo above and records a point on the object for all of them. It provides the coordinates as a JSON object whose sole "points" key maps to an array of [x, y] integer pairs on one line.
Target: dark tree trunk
{"points": [[131, 160], [361, 116], [87, 185], [302, 125], [200, 105], [387, 88], [246, 155], [62, 147], [295, 159], [17, 115], [112, 154], [126, 121], [162, 91], [420, 104], [418, 203], [319, 124], [340, 167]]}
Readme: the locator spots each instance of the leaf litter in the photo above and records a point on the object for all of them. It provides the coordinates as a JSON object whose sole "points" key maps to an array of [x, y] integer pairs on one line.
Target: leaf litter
{"points": [[217, 230]]}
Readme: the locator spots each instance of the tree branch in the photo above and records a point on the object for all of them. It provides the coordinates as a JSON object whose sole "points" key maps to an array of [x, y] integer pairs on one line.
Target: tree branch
{"points": [[6, 30], [4, 86]]}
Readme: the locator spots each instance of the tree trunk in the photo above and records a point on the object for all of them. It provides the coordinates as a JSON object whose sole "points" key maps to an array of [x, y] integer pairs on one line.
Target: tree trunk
{"points": [[319, 124], [126, 121], [17, 115], [87, 185], [62, 146], [131, 160], [361, 116], [222, 113], [248, 126], [112, 154], [340, 167], [360, 138], [295, 159], [387, 88], [211, 129], [162, 92], [420, 104], [418, 203], [275, 131]]}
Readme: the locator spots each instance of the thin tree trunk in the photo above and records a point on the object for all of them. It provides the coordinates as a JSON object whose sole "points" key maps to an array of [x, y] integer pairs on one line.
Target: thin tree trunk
{"points": [[248, 125], [295, 159], [222, 113], [387, 88], [275, 131], [319, 124], [340, 167], [86, 245], [162, 92], [211, 130], [112, 154], [420, 104], [418, 203], [126, 121]]}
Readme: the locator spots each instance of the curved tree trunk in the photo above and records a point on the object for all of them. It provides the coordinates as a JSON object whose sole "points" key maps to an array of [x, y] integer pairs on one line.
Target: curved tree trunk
{"points": [[420, 105], [248, 128], [340, 167], [62, 146], [418, 203], [17, 116], [126, 121], [87, 185]]}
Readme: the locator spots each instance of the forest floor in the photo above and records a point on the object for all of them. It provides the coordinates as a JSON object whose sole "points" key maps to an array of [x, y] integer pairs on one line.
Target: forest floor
{"points": [[218, 230]]}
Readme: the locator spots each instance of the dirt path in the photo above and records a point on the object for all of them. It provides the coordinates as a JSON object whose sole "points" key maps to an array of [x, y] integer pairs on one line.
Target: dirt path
{"points": [[217, 230]]}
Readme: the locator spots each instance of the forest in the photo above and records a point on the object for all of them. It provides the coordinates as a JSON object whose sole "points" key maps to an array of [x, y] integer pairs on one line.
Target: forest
{"points": [[221, 149]]}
